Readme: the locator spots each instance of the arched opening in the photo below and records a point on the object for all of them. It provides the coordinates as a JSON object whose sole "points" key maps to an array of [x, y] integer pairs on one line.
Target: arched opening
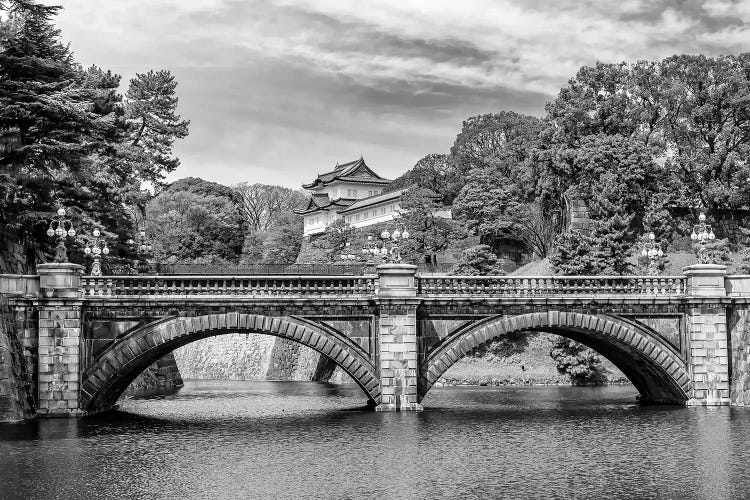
{"points": [[653, 365], [110, 373]]}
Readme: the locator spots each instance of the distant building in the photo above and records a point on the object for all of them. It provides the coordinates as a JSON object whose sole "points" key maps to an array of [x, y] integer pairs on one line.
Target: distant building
{"points": [[353, 192]]}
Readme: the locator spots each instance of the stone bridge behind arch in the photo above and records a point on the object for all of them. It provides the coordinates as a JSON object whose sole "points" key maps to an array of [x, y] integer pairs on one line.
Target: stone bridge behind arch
{"points": [[680, 340]]}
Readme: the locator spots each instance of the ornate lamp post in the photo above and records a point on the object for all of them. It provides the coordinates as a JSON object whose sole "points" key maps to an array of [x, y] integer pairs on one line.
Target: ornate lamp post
{"points": [[61, 227], [701, 234], [653, 252], [370, 249], [96, 247], [144, 244], [392, 255], [143, 247], [346, 253]]}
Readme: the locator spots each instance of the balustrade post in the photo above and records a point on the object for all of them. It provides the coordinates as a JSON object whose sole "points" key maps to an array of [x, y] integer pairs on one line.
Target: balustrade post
{"points": [[59, 339], [708, 353], [397, 337]]}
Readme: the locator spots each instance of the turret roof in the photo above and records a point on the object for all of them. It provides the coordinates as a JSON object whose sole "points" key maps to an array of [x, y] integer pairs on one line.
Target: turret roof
{"points": [[354, 171]]}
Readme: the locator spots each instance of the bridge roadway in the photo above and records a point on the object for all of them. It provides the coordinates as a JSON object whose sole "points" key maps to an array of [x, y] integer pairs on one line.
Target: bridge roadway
{"points": [[679, 339]]}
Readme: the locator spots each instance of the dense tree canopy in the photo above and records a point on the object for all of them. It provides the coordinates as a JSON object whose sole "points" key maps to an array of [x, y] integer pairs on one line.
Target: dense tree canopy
{"points": [[66, 134], [430, 232], [433, 172], [691, 111], [478, 260], [195, 221]]}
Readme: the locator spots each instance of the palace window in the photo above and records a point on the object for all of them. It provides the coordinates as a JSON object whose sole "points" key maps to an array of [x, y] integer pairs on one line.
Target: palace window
{"points": [[348, 193], [357, 217]]}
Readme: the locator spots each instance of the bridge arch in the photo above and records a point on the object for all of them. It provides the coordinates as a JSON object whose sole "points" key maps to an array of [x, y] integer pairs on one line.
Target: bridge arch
{"points": [[654, 366], [104, 381]]}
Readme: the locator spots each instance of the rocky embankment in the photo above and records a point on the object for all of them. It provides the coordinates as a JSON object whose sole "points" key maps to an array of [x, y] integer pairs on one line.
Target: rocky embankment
{"points": [[162, 377]]}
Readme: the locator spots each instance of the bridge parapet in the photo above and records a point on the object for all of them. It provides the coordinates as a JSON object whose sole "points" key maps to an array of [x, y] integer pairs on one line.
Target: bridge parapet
{"points": [[393, 320], [738, 285], [542, 286], [19, 285], [208, 286]]}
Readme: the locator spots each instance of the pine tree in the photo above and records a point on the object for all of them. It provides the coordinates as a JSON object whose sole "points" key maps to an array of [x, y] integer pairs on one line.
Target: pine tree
{"points": [[151, 111], [40, 110], [64, 137]]}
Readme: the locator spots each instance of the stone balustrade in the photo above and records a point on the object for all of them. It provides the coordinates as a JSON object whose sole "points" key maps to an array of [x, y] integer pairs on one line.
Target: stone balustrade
{"points": [[506, 286], [19, 284], [541, 286], [250, 286]]}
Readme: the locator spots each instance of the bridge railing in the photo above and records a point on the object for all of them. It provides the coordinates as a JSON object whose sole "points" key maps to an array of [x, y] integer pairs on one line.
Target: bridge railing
{"points": [[19, 284], [539, 286], [251, 286]]}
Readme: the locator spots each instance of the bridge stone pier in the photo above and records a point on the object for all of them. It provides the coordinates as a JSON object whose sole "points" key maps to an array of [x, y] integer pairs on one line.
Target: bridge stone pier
{"points": [[679, 339]]}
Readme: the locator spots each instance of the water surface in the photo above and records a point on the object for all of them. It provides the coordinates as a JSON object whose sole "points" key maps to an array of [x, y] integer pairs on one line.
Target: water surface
{"points": [[311, 440]]}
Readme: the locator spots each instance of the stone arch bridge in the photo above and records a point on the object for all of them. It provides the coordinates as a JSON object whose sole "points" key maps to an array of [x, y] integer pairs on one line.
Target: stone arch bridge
{"points": [[680, 340]]}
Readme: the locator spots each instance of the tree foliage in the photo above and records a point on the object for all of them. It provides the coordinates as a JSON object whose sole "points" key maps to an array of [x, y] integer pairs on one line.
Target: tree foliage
{"points": [[434, 173], [478, 260], [65, 133], [430, 232], [262, 204], [581, 364], [282, 242], [690, 111], [195, 221], [151, 107], [501, 141]]}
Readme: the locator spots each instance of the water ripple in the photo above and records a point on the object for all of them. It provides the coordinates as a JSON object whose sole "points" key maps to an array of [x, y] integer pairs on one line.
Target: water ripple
{"points": [[308, 440]]}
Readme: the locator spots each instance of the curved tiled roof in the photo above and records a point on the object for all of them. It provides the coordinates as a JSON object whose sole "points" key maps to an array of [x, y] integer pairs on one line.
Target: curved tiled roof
{"points": [[353, 171], [321, 201]]}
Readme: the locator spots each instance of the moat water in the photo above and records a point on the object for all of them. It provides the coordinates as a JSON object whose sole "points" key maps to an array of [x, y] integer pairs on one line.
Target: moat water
{"points": [[263, 440]]}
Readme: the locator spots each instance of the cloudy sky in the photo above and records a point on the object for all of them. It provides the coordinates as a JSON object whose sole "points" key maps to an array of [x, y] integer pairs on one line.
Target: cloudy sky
{"points": [[278, 90]]}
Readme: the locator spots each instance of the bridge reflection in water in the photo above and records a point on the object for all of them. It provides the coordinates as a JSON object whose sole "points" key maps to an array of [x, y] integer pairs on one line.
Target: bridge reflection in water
{"points": [[394, 332]]}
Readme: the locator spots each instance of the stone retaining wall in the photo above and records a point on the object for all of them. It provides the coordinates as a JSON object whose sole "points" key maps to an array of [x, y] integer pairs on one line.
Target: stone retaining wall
{"points": [[253, 357]]}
